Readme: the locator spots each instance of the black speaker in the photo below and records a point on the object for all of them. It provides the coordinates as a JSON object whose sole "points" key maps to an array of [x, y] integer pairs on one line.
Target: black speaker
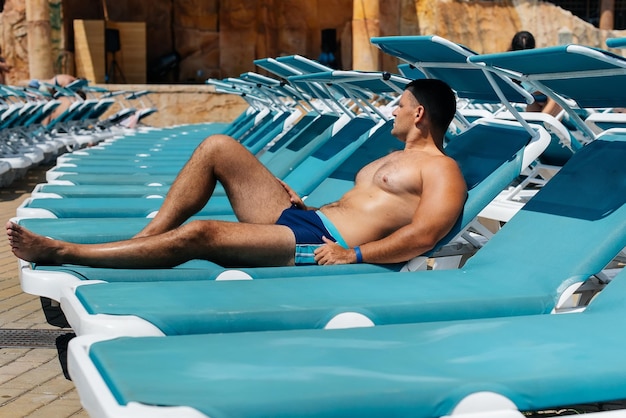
{"points": [[329, 40], [112, 40]]}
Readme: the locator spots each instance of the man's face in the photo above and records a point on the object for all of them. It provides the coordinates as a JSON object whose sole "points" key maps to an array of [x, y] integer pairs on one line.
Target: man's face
{"points": [[404, 115]]}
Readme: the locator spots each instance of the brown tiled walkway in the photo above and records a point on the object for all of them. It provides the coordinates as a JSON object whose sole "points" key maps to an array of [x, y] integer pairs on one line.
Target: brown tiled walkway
{"points": [[32, 381]]}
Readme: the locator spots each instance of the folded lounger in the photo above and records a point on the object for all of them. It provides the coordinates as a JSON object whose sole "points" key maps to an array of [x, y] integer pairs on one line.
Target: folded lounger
{"points": [[586, 75], [490, 154], [474, 368], [437, 57], [566, 233]]}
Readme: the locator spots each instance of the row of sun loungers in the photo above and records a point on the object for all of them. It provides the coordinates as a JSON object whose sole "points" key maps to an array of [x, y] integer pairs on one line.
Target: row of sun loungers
{"points": [[37, 129], [485, 325]]}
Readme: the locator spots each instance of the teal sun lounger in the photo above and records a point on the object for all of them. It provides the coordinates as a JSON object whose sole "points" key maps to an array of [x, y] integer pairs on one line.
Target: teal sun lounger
{"points": [[565, 234], [467, 369], [491, 154]]}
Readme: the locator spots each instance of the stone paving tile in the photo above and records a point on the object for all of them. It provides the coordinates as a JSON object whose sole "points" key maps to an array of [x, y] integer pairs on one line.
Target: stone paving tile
{"points": [[59, 407], [32, 382], [26, 404]]}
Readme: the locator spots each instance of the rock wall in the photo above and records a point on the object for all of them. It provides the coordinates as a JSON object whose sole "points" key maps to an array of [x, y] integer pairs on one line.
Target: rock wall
{"points": [[221, 38], [14, 40], [488, 27], [181, 104]]}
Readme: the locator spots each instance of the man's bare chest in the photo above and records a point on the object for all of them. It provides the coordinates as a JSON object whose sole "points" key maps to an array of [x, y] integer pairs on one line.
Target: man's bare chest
{"points": [[394, 174]]}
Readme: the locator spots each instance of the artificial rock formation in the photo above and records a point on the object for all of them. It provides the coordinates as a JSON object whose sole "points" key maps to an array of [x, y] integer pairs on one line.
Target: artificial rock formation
{"points": [[222, 38]]}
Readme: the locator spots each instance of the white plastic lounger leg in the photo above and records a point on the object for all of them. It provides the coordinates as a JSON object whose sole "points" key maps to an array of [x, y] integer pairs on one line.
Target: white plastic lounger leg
{"points": [[494, 405], [233, 275], [349, 320], [446, 263], [416, 264], [485, 405], [95, 395]]}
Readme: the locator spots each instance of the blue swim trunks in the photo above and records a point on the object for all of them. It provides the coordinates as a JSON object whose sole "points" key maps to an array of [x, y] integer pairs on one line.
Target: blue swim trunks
{"points": [[309, 227]]}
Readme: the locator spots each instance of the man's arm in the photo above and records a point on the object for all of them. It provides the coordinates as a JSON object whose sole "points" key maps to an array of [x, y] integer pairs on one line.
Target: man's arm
{"points": [[443, 196]]}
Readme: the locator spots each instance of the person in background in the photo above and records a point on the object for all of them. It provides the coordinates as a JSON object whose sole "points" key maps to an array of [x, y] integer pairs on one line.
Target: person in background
{"points": [[50, 87], [525, 40]]}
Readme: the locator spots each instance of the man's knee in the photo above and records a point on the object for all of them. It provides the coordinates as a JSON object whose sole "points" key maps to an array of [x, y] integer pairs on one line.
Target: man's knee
{"points": [[200, 232], [219, 144], [218, 140]]}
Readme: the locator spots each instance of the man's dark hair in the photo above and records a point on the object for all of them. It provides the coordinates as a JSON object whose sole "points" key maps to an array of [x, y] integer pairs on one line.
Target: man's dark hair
{"points": [[522, 40], [438, 100]]}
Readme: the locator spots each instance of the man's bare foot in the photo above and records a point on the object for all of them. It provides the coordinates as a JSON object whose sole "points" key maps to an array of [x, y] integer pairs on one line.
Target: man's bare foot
{"points": [[29, 246]]}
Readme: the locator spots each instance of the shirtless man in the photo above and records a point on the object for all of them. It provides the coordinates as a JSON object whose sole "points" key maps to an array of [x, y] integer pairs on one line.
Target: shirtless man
{"points": [[400, 207]]}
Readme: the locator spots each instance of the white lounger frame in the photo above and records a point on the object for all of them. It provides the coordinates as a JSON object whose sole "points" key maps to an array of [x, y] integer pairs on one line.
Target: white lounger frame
{"points": [[99, 402]]}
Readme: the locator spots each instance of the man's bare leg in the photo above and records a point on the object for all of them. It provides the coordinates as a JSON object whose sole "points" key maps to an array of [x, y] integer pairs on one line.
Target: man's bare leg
{"points": [[255, 194], [227, 243]]}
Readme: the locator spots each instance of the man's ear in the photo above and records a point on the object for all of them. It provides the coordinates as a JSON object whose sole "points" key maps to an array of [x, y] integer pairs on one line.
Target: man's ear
{"points": [[419, 112]]}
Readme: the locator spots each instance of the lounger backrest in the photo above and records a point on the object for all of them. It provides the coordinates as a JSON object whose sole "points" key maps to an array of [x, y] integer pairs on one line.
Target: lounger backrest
{"points": [[445, 60], [580, 211], [326, 158], [258, 138], [586, 75], [303, 64], [562, 145], [411, 72], [611, 299], [300, 149], [305, 136], [490, 155]]}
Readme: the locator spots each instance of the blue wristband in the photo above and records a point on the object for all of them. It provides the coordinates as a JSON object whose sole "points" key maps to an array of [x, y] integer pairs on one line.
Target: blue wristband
{"points": [[359, 256]]}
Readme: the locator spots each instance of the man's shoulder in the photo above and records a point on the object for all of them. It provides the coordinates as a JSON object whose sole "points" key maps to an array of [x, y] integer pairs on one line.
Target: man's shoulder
{"points": [[443, 166]]}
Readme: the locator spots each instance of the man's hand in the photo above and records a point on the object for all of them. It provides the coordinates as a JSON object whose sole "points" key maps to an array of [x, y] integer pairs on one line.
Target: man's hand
{"points": [[333, 253], [293, 196]]}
